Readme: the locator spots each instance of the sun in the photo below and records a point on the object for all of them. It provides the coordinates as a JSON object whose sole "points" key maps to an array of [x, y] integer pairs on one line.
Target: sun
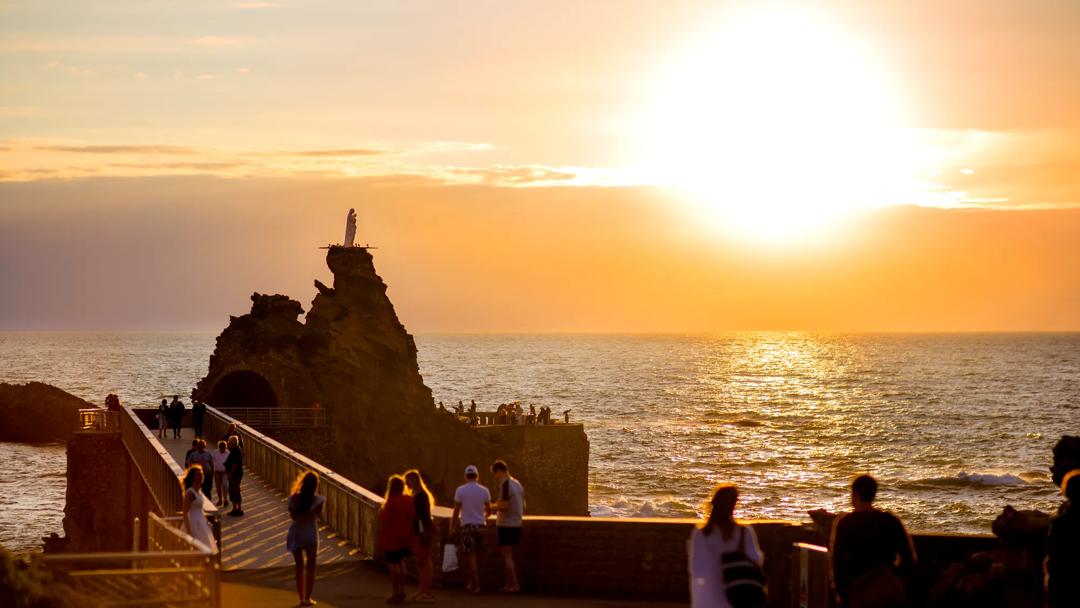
{"points": [[777, 125]]}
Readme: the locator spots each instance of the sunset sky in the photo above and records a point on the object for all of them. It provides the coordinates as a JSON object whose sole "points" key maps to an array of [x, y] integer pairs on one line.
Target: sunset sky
{"points": [[546, 166]]}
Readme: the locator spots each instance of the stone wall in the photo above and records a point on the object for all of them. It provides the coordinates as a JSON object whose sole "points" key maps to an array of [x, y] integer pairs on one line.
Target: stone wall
{"points": [[104, 494], [554, 456]]}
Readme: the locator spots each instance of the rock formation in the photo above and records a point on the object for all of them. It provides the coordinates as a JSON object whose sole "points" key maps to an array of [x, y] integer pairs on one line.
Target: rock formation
{"points": [[38, 413], [354, 358]]}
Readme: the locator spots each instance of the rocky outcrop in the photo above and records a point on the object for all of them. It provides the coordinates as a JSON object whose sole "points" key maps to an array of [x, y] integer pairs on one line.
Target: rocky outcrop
{"points": [[354, 358], [38, 413]]}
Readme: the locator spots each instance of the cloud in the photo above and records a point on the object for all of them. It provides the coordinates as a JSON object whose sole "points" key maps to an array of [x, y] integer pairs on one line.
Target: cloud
{"points": [[333, 153], [122, 149], [247, 6], [522, 175]]}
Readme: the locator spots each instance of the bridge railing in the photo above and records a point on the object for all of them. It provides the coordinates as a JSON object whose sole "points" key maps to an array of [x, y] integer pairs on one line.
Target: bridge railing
{"points": [[176, 571], [270, 417], [97, 419], [810, 574], [156, 466], [350, 510]]}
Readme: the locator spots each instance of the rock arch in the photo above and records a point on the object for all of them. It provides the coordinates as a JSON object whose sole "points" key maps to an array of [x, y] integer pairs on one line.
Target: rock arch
{"points": [[243, 388]]}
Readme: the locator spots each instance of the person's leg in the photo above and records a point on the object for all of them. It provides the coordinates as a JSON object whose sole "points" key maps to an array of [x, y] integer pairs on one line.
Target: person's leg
{"points": [[507, 554], [474, 572], [298, 557], [311, 561], [425, 573]]}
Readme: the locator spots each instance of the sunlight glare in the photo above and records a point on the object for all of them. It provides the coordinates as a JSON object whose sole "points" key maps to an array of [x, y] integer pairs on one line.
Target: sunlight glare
{"points": [[777, 125]]}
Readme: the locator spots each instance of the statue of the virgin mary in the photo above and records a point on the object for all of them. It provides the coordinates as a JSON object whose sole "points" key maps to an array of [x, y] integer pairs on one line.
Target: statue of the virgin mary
{"points": [[350, 228]]}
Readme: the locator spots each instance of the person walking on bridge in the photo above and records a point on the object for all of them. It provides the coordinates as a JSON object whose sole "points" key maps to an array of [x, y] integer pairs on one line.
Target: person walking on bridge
{"points": [[194, 506], [198, 414], [397, 534], [234, 466], [163, 418], [305, 508], [176, 408], [425, 533]]}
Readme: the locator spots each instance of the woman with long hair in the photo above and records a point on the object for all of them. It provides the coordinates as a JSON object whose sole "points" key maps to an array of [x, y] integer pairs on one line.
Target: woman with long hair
{"points": [[723, 555], [425, 533], [305, 508], [194, 522], [397, 534]]}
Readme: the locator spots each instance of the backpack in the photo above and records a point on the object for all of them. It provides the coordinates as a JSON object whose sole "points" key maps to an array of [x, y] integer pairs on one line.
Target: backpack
{"points": [[744, 579]]}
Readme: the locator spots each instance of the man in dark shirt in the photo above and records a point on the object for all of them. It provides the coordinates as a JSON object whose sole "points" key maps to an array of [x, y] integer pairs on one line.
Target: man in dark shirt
{"points": [[234, 466], [865, 547], [176, 408], [1063, 548], [198, 414]]}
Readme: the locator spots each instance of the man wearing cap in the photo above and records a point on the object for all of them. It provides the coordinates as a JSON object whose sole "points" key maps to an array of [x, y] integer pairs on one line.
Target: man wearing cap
{"points": [[472, 502]]}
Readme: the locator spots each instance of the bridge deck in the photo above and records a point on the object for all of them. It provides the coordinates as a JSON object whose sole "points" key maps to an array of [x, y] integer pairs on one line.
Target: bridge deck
{"points": [[257, 540]]}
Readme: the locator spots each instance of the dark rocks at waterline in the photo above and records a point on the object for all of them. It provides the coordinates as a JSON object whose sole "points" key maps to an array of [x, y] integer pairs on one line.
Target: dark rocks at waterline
{"points": [[38, 413]]}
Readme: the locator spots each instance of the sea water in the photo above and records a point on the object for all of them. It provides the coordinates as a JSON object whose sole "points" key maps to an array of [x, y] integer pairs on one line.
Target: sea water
{"points": [[954, 426]]}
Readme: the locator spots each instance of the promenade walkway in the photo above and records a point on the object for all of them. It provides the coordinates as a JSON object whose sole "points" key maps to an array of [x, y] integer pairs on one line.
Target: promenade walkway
{"points": [[257, 540], [365, 584]]}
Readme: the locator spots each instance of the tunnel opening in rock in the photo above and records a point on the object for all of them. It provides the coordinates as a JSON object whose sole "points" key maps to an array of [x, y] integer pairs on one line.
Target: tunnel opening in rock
{"points": [[243, 389]]}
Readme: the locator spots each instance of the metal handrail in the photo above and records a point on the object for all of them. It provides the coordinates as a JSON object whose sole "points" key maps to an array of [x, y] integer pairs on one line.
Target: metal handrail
{"points": [[270, 417], [97, 419], [177, 570], [350, 509], [156, 466]]}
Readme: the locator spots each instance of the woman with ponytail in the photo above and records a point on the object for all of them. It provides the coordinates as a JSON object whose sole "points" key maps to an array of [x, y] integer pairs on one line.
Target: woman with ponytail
{"points": [[305, 508]]}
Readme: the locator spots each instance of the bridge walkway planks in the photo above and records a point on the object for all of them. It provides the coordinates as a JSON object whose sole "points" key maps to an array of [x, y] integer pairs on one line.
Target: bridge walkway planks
{"points": [[257, 539]]}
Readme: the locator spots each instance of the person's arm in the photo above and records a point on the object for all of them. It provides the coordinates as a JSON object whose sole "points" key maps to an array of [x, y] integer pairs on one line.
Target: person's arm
{"points": [[188, 500], [702, 565], [753, 550], [837, 546], [906, 549], [454, 517]]}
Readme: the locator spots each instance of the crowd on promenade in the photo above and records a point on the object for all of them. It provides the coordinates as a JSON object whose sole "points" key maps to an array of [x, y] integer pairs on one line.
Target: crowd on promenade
{"points": [[872, 556], [221, 468], [513, 414]]}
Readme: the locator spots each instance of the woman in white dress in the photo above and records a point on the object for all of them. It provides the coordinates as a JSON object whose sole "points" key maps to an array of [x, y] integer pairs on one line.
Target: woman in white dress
{"points": [[195, 501], [708, 543]]}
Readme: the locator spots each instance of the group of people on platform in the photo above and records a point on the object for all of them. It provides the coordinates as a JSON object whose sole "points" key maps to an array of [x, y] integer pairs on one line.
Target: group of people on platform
{"points": [[407, 529], [171, 416], [871, 555], [205, 469], [506, 414]]}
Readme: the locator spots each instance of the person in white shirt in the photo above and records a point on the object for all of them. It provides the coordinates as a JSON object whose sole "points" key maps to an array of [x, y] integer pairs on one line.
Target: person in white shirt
{"points": [[509, 509], [221, 477], [719, 535], [472, 502]]}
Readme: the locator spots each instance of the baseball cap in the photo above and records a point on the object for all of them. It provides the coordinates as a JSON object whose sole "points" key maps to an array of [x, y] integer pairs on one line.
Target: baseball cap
{"points": [[472, 470]]}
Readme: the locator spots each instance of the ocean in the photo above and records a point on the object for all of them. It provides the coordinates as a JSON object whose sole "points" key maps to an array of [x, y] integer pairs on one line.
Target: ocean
{"points": [[955, 427]]}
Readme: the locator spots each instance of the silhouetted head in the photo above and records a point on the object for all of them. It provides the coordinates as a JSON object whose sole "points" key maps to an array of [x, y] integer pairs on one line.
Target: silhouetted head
{"points": [[395, 486], [222, 446], [499, 471], [1070, 487], [416, 485], [722, 508], [304, 489], [201, 445], [194, 444], [233, 441], [863, 491], [472, 473], [176, 397], [193, 477], [164, 402]]}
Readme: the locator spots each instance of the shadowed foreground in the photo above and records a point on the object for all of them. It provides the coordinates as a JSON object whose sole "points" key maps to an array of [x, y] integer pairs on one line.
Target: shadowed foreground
{"points": [[365, 584]]}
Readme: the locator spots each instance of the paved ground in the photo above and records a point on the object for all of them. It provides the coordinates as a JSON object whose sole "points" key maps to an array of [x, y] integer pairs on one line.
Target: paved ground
{"points": [[257, 540], [363, 584]]}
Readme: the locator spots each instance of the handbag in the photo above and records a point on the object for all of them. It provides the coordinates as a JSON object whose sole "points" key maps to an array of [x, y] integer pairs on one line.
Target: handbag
{"points": [[449, 558], [744, 579]]}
